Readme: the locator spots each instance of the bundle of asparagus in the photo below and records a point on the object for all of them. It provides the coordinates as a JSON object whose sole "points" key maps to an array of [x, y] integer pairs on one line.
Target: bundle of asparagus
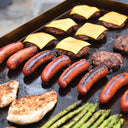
{"points": [[84, 116]]}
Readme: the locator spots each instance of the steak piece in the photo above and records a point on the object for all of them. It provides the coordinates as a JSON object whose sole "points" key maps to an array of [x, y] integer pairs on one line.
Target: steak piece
{"points": [[32, 108], [8, 92], [121, 43], [111, 60]]}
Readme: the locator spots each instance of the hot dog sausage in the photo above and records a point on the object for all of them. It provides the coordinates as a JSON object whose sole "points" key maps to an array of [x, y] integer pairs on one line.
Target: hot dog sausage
{"points": [[112, 86], [124, 102], [54, 66], [9, 49], [16, 59], [33, 63], [90, 78], [71, 72]]}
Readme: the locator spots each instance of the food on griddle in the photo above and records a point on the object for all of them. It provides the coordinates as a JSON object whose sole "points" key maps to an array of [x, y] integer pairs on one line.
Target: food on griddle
{"points": [[90, 78], [112, 87], [8, 92], [62, 113], [124, 102], [9, 49], [85, 116], [40, 58], [72, 47], [61, 26], [72, 71], [19, 57], [121, 43], [113, 20], [84, 12], [111, 60], [39, 39], [54, 66], [32, 108], [91, 31]]}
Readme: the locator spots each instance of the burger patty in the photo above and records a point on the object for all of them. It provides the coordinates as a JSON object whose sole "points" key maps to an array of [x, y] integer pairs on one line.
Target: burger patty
{"points": [[111, 60], [81, 53], [109, 25], [121, 43], [57, 31], [84, 37], [79, 17]]}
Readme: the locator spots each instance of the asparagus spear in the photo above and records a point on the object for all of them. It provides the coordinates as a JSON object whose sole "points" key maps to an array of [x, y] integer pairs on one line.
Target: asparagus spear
{"points": [[107, 121], [113, 121], [77, 117], [101, 119], [68, 116], [86, 116], [119, 123], [59, 115], [92, 119]]}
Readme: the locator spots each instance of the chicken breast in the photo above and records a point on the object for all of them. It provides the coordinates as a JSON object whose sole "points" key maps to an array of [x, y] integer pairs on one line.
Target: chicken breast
{"points": [[8, 92], [32, 108]]}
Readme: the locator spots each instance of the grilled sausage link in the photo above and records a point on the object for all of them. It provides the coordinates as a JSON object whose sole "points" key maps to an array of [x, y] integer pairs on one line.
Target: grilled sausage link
{"points": [[124, 102], [33, 63], [90, 78], [9, 49], [16, 59], [72, 71], [54, 66], [112, 86]]}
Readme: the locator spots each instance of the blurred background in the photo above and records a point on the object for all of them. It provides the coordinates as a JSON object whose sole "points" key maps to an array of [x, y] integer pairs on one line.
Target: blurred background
{"points": [[14, 13]]}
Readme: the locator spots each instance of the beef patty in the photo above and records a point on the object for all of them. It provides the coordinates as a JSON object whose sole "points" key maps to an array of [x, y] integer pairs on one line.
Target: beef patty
{"points": [[121, 43], [111, 60]]}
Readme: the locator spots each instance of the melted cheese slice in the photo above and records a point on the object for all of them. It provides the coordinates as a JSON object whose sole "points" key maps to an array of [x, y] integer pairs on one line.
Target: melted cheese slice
{"points": [[84, 10], [71, 44], [91, 30], [40, 39], [114, 18], [62, 24]]}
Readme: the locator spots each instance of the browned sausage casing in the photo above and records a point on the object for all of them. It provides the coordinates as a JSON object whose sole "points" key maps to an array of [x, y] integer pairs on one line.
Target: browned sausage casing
{"points": [[112, 86], [54, 66], [90, 78], [16, 59], [124, 102], [9, 49], [33, 63], [72, 71]]}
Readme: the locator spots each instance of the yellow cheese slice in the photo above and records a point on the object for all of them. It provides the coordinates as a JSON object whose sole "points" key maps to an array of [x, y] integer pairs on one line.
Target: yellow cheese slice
{"points": [[40, 39], [84, 10], [91, 30], [114, 18], [62, 24], [71, 44]]}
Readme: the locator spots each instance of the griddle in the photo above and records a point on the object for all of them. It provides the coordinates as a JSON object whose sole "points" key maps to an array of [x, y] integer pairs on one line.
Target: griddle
{"points": [[32, 85]]}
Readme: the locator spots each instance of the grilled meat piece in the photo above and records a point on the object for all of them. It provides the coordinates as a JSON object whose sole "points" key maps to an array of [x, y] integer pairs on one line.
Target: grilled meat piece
{"points": [[8, 92], [32, 108], [111, 60], [121, 43]]}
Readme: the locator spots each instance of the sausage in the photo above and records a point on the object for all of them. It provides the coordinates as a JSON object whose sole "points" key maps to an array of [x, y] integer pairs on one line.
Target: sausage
{"points": [[54, 66], [112, 86], [124, 102], [72, 71], [16, 59], [33, 63], [90, 78], [9, 49]]}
